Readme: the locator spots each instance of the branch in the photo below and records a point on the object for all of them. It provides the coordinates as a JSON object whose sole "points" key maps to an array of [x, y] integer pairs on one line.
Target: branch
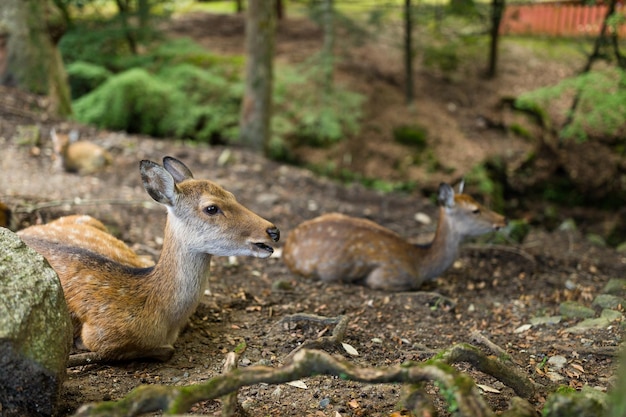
{"points": [[337, 336]]}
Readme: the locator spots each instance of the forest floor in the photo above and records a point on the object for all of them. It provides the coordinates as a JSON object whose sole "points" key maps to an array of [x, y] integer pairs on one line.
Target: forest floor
{"points": [[495, 289]]}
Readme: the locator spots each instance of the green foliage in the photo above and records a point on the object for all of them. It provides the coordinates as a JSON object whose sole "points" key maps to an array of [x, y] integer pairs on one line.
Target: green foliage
{"points": [[601, 109], [185, 51], [102, 43], [213, 102], [481, 176], [305, 113], [137, 102], [85, 77], [413, 135], [443, 57]]}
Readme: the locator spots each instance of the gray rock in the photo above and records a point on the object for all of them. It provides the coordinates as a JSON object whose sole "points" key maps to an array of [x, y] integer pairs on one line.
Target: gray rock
{"points": [[35, 331], [615, 286], [587, 324], [576, 310], [608, 301], [536, 321], [612, 315]]}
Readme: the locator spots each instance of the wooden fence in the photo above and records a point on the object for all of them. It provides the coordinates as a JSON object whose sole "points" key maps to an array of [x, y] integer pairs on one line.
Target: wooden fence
{"points": [[555, 19]]}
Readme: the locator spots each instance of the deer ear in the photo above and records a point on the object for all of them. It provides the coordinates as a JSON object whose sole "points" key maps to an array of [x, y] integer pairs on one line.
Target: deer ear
{"points": [[158, 182], [445, 197], [461, 186], [179, 171]]}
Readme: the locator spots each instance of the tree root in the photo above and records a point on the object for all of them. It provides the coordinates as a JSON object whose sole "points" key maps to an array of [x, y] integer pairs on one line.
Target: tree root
{"points": [[457, 389]]}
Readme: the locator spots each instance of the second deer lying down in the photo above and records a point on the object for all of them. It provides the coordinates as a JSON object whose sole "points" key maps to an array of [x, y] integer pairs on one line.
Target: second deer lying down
{"points": [[121, 307], [335, 247]]}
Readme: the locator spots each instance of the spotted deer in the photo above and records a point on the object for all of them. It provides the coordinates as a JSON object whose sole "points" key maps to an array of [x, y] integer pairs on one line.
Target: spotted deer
{"points": [[336, 247], [126, 308], [79, 156]]}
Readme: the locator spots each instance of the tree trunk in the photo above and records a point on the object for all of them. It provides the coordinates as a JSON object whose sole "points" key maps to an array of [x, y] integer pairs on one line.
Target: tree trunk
{"points": [[256, 107], [497, 8], [408, 51], [328, 57], [29, 57]]}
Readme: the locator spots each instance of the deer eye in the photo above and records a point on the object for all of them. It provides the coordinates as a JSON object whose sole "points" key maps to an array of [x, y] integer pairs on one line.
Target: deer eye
{"points": [[476, 211], [212, 210]]}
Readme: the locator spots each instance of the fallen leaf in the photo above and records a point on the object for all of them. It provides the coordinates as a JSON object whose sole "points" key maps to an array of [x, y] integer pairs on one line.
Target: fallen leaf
{"points": [[298, 384], [487, 388], [348, 348], [523, 328], [578, 367]]}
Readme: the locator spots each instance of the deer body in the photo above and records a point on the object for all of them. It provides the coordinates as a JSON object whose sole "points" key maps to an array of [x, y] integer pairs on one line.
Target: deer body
{"points": [[78, 156], [122, 306], [336, 247]]}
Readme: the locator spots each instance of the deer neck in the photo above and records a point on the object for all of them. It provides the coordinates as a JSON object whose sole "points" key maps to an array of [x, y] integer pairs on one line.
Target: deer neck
{"points": [[180, 275], [438, 255]]}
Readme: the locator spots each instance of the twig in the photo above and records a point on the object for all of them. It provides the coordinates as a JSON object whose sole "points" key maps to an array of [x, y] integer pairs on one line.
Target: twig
{"points": [[230, 405], [478, 337], [434, 298], [504, 248], [337, 336]]}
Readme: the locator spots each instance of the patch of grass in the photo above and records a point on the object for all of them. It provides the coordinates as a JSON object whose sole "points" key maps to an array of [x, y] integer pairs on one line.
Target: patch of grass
{"points": [[412, 135]]}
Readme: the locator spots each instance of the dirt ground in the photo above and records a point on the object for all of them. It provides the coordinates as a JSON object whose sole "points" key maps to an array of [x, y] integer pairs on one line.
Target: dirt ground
{"points": [[495, 289]]}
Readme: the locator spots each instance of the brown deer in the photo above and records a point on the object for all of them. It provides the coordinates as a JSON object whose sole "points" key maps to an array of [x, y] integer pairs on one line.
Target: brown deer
{"points": [[124, 308], [78, 156], [335, 247]]}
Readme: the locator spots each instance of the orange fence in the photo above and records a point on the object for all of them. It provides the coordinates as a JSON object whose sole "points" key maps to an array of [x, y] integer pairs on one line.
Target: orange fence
{"points": [[554, 20]]}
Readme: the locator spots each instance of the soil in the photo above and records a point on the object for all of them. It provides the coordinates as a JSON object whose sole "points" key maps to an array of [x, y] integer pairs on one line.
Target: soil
{"points": [[493, 289]]}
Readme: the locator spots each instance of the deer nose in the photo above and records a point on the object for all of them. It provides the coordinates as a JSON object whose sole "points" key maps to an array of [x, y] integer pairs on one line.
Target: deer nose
{"points": [[274, 233]]}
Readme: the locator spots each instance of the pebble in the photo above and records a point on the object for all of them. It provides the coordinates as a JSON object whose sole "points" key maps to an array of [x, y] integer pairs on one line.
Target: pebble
{"points": [[557, 362]]}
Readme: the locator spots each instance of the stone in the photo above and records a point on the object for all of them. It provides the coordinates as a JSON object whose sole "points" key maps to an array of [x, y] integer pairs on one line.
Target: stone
{"points": [[608, 301], [587, 324], [611, 315], [576, 310], [536, 321], [557, 362], [35, 331], [615, 286]]}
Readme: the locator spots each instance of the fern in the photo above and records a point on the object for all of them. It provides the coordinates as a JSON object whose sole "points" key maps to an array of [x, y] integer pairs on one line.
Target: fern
{"points": [[601, 109]]}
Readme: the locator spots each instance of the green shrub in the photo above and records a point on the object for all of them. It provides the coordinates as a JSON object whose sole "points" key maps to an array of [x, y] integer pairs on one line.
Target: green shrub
{"points": [[305, 113], [601, 109], [214, 101], [136, 102], [100, 43], [85, 77]]}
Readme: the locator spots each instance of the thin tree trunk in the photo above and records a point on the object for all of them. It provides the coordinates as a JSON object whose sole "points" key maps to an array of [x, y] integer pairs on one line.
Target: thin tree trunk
{"points": [[123, 12], [328, 61], [256, 107], [497, 8], [408, 51], [32, 61]]}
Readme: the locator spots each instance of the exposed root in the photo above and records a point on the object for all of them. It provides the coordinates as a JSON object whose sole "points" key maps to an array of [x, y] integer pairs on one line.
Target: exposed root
{"points": [[458, 389], [337, 336]]}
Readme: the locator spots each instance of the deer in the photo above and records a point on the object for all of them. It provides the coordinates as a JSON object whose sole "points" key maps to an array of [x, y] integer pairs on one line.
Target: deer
{"points": [[78, 156], [338, 248], [124, 307]]}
